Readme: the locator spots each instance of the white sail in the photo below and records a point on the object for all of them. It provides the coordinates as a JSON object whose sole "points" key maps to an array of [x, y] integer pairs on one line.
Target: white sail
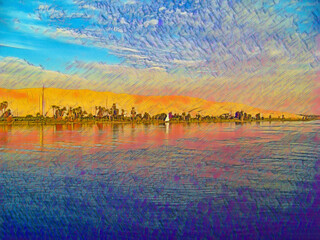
{"points": [[167, 118]]}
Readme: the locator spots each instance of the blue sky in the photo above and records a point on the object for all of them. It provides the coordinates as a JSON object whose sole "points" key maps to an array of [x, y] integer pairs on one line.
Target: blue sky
{"points": [[264, 53], [37, 48], [210, 36]]}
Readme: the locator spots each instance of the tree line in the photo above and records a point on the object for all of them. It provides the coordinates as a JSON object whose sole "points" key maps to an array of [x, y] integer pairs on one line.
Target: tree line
{"points": [[114, 113]]}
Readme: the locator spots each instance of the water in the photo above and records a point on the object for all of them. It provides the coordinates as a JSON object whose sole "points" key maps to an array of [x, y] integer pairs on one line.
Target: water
{"points": [[217, 180]]}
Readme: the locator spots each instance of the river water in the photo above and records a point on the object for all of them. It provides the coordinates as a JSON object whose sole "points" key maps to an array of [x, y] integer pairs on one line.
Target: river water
{"points": [[185, 181]]}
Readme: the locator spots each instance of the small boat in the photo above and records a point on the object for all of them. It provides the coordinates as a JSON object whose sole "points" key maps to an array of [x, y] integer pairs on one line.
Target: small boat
{"points": [[167, 118]]}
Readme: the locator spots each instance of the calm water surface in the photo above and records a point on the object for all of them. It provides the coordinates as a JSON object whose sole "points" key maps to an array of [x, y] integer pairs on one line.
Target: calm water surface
{"points": [[212, 181]]}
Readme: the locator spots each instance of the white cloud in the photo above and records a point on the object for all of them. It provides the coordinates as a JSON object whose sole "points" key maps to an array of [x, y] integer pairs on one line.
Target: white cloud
{"points": [[226, 36], [123, 21], [18, 46], [188, 63], [130, 2], [137, 56], [122, 48], [87, 6], [69, 33], [44, 7], [178, 11], [151, 22], [157, 68]]}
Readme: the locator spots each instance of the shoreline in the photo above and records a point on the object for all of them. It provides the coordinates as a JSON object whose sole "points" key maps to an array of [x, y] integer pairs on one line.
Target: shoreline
{"points": [[94, 121]]}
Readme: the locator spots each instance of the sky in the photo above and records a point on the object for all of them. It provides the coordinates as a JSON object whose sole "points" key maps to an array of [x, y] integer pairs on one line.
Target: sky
{"points": [[262, 53]]}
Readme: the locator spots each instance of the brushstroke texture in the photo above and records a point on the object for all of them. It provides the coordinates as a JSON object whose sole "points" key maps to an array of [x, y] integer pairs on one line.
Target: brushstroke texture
{"points": [[260, 53]]}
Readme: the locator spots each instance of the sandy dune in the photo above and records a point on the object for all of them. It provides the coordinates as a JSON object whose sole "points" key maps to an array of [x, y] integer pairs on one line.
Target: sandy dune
{"points": [[28, 101]]}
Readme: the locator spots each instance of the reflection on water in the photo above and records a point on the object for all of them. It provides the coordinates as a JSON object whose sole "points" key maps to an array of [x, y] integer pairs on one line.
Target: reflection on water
{"points": [[160, 181]]}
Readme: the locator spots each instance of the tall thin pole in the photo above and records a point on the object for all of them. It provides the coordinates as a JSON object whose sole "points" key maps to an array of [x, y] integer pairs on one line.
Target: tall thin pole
{"points": [[40, 103], [43, 103]]}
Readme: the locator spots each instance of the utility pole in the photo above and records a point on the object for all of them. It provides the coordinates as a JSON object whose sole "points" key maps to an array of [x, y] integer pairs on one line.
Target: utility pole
{"points": [[43, 103], [39, 103]]}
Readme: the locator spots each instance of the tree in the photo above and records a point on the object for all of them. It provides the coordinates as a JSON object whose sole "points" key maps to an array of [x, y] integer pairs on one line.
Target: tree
{"points": [[59, 112], [7, 113], [53, 110], [146, 116], [188, 117], [198, 116], [5, 105], [183, 116], [139, 116], [70, 114], [77, 112], [133, 113], [1, 107]]}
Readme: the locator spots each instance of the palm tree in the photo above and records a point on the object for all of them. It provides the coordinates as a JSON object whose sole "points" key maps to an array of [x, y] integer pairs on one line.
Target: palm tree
{"points": [[53, 108], [183, 116], [61, 112], [74, 111], [97, 108], [3, 106], [104, 110], [133, 113], [69, 114], [146, 116], [99, 111], [58, 111], [79, 112]]}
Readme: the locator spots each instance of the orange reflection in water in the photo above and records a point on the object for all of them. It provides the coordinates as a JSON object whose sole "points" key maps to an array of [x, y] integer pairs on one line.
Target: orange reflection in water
{"points": [[126, 136], [217, 151]]}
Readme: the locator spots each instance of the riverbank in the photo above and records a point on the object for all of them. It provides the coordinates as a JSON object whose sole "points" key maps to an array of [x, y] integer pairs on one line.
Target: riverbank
{"points": [[49, 121]]}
